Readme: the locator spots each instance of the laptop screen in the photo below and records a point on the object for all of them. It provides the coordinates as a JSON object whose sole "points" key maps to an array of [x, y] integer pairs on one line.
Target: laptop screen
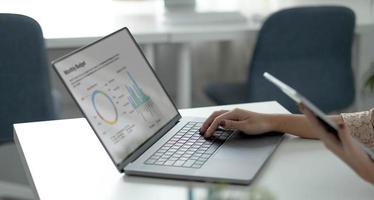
{"points": [[118, 92]]}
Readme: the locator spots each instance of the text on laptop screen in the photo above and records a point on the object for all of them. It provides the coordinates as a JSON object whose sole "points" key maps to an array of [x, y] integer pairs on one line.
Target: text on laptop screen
{"points": [[118, 93]]}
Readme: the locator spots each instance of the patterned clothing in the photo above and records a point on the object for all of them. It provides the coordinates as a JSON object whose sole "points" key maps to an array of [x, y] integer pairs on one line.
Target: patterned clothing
{"points": [[360, 126]]}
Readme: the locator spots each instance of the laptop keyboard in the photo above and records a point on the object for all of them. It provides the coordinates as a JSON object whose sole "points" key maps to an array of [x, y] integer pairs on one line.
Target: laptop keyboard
{"points": [[187, 148]]}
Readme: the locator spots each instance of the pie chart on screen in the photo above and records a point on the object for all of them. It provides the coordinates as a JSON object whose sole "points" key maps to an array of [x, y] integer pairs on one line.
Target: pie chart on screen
{"points": [[104, 107]]}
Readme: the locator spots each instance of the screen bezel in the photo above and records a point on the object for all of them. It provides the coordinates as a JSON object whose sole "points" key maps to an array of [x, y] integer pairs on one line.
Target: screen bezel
{"points": [[147, 143]]}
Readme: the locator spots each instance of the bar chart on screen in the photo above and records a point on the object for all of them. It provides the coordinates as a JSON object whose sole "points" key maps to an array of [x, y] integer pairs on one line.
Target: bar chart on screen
{"points": [[142, 103]]}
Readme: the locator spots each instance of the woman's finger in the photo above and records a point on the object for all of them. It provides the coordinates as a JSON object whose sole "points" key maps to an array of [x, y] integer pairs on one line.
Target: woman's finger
{"points": [[345, 138], [210, 119], [231, 115], [350, 144], [354, 155]]}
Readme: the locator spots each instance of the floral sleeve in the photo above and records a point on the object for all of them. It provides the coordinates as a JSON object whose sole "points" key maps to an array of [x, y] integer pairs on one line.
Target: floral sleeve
{"points": [[360, 126]]}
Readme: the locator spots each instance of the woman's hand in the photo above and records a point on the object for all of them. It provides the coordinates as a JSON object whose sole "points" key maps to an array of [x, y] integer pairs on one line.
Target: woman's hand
{"points": [[243, 120], [347, 148]]}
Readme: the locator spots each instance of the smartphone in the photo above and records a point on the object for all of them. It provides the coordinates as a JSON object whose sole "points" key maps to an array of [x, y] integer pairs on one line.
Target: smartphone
{"points": [[329, 125]]}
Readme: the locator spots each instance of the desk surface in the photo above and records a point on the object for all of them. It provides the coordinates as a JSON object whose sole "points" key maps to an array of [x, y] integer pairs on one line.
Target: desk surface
{"points": [[66, 161]]}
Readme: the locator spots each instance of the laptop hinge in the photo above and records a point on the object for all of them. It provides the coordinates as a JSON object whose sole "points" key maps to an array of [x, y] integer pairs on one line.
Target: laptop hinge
{"points": [[143, 147]]}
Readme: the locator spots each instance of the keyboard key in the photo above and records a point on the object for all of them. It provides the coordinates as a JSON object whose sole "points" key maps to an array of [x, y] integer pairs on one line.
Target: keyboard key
{"points": [[168, 153], [196, 166], [212, 148], [203, 148], [186, 155], [173, 158], [150, 161], [191, 151], [172, 150], [198, 154], [203, 160], [188, 163], [174, 147], [155, 157], [178, 163], [205, 155], [194, 157], [199, 162], [159, 162], [161, 151], [200, 151], [223, 137], [169, 163], [187, 148], [195, 136]]}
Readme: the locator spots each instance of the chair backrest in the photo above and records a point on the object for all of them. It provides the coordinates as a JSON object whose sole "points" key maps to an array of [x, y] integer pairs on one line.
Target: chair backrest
{"points": [[308, 48], [24, 74]]}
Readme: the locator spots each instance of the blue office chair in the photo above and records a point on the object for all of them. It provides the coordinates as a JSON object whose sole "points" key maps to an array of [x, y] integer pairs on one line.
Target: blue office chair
{"points": [[308, 48], [24, 74], [25, 92]]}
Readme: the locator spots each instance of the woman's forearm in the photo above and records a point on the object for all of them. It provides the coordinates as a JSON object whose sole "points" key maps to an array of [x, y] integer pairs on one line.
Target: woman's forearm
{"points": [[297, 125]]}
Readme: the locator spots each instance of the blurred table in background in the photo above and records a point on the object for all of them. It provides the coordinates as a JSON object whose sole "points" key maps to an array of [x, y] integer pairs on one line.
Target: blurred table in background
{"points": [[74, 23]]}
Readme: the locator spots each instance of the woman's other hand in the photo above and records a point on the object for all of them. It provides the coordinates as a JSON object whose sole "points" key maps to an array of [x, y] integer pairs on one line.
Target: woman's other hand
{"points": [[346, 149]]}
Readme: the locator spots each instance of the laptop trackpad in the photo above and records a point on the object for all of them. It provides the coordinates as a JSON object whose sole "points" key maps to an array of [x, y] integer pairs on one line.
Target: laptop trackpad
{"points": [[240, 145], [241, 156]]}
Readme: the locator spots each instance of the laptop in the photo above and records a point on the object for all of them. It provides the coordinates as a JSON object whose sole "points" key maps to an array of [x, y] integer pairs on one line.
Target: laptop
{"points": [[140, 127]]}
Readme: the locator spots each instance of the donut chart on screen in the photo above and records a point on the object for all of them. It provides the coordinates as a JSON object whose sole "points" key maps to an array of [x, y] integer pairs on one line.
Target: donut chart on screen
{"points": [[104, 107]]}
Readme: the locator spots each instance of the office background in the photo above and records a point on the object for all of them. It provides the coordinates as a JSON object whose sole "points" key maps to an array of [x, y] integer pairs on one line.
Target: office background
{"points": [[211, 60], [228, 61]]}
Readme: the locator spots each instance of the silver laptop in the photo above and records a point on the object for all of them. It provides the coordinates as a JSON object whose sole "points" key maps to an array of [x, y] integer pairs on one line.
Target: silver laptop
{"points": [[140, 127]]}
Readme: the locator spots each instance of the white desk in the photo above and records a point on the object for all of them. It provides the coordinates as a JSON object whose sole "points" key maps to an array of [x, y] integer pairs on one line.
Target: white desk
{"points": [[65, 160]]}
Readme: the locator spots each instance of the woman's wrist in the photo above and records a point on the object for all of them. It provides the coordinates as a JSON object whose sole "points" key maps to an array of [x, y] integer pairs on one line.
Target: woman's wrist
{"points": [[293, 124], [274, 122]]}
